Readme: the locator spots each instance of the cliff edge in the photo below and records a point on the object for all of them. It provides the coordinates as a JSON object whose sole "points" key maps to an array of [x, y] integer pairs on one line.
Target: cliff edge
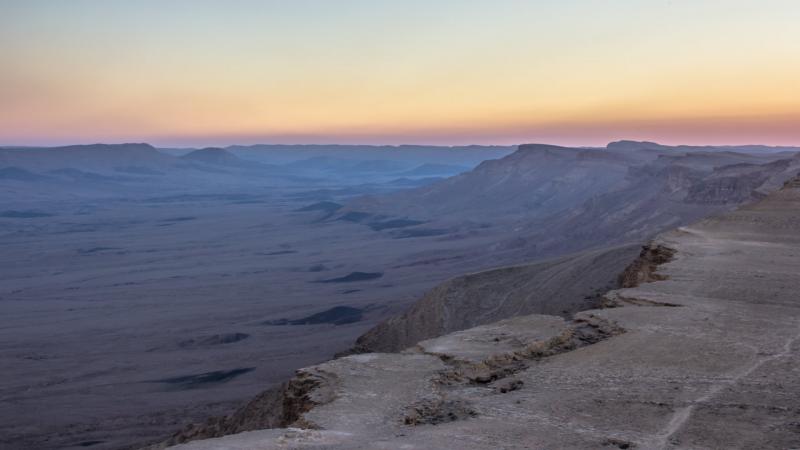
{"points": [[700, 350]]}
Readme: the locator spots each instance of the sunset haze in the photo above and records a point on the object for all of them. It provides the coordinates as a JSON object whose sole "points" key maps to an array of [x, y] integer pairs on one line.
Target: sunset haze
{"points": [[183, 73]]}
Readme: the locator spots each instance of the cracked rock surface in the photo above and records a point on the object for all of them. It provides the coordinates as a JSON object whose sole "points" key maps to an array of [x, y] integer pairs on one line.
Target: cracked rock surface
{"points": [[701, 351]]}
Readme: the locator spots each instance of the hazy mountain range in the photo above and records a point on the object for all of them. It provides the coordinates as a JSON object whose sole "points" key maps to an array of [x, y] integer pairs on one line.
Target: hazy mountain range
{"points": [[699, 337], [218, 272]]}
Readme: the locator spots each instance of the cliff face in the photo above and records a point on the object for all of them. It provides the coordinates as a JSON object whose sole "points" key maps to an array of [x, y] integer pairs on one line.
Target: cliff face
{"points": [[739, 183], [534, 181], [700, 351], [660, 194], [562, 286], [545, 202], [279, 407], [671, 192]]}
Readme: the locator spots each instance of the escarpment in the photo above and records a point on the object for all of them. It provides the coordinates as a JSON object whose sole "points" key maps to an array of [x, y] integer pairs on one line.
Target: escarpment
{"points": [[280, 407], [650, 194], [561, 286], [718, 371], [643, 268]]}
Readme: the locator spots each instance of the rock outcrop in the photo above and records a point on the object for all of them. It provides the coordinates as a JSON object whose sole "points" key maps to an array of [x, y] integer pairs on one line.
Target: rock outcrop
{"points": [[562, 286], [279, 407], [544, 201], [716, 370]]}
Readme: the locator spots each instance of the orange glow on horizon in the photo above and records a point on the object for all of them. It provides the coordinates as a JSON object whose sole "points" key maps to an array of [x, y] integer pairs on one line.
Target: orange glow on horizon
{"points": [[197, 73]]}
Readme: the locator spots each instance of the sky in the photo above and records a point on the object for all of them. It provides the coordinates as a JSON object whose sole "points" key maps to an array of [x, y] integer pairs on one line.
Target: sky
{"points": [[571, 72]]}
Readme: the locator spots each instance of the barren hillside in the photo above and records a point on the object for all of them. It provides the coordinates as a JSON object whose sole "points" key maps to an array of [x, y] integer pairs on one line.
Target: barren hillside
{"points": [[698, 352]]}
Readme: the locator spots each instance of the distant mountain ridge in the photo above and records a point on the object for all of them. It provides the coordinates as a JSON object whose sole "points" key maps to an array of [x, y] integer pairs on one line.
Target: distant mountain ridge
{"points": [[645, 145], [95, 156], [551, 200], [460, 155], [291, 164], [702, 335]]}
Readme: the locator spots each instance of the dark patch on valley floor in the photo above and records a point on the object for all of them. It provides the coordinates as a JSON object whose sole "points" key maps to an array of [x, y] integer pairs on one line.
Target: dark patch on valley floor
{"points": [[25, 214], [200, 197], [318, 268], [89, 251], [354, 276], [419, 232], [203, 380], [280, 252], [338, 315], [429, 261], [325, 206], [213, 340], [179, 219], [394, 223]]}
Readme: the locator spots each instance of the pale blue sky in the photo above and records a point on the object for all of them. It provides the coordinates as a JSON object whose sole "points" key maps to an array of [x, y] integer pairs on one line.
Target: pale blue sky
{"points": [[445, 71]]}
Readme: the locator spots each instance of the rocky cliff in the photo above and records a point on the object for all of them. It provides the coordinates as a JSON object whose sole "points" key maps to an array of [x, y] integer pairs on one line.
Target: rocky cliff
{"points": [[544, 201], [701, 350], [659, 195], [562, 286]]}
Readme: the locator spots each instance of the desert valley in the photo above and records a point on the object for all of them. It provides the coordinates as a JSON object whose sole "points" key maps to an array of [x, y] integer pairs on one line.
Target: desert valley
{"points": [[385, 224], [184, 282]]}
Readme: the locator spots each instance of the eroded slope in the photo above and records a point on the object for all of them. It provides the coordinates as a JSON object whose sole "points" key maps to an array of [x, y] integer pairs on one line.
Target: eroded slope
{"points": [[562, 286], [718, 369]]}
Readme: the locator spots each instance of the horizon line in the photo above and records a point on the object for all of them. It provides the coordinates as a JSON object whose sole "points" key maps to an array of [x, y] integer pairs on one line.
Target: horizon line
{"points": [[370, 144]]}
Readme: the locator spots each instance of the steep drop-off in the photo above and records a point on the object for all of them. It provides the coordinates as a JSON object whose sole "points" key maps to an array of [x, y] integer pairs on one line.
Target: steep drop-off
{"points": [[716, 369], [544, 201], [559, 287]]}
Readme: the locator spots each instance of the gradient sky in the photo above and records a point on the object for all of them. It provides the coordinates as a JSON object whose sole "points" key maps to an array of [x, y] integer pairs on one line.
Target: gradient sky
{"points": [[202, 72]]}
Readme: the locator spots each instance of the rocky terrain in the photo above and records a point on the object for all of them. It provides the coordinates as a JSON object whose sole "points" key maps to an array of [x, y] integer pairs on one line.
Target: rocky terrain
{"points": [[180, 283], [559, 287], [550, 201], [699, 350], [143, 289]]}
